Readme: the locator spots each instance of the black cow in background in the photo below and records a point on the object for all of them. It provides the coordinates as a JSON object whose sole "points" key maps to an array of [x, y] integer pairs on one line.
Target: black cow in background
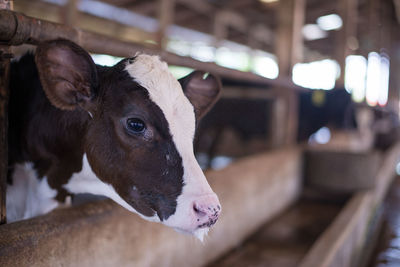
{"points": [[319, 108], [249, 118]]}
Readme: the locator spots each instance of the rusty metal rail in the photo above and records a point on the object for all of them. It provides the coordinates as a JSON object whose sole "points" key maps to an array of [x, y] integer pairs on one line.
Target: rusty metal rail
{"points": [[17, 29]]}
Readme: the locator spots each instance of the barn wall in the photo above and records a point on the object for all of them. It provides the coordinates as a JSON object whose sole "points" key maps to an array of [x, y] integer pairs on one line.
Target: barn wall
{"points": [[251, 191]]}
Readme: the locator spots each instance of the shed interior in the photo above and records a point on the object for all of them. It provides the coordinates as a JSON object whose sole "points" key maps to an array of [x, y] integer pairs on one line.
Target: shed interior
{"points": [[302, 147]]}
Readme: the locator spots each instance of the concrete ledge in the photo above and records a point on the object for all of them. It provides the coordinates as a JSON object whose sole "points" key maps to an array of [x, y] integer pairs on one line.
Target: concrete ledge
{"points": [[102, 234], [343, 242], [341, 171]]}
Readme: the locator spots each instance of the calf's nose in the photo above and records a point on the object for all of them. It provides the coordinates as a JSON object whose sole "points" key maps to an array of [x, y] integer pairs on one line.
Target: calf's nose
{"points": [[206, 210]]}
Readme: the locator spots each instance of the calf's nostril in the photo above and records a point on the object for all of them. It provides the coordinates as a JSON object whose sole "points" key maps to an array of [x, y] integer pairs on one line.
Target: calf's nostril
{"points": [[199, 211]]}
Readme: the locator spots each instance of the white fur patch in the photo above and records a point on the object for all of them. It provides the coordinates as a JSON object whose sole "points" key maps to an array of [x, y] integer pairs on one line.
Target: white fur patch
{"points": [[28, 196], [201, 233], [166, 92], [86, 181]]}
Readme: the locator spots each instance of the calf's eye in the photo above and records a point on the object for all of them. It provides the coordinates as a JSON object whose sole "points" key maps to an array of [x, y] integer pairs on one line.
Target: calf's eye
{"points": [[135, 125]]}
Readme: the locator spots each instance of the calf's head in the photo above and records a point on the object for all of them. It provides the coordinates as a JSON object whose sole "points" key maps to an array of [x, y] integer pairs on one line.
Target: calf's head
{"points": [[139, 138]]}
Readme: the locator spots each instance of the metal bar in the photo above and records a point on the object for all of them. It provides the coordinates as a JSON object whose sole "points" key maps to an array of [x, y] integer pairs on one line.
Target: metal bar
{"points": [[4, 78], [17, 29]]}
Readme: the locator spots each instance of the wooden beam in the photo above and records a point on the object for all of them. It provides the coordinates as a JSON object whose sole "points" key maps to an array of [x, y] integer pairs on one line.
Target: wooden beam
{"points": [[113, 236], [392, 43], [289, 50], [291, 119], [348, 11], [238, 4], [70, 13], [248, 93], [260, 33], [196, 8], [31, 31], [278, 124], [397, 9], [225, 19], [5, 55], [50, 12], [394, 79], [123, 2], [201, 7], [166, 18], [373, 25], [289, 40], [320, 8], [145, 7]]}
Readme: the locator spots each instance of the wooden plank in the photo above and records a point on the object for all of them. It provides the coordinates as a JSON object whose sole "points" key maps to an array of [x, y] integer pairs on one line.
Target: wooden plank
{"points": [[225, 19], [4, 80], [342, 243], [30, 30], [394, 80], [348, 11], [104, 234], [87, 22], [373, 26], [278, 124], [289, 39], [202, 7], [354, 171], [248, 93], [392, 43], [289, 50], [71, 13], [166, 17], [292, 111]]}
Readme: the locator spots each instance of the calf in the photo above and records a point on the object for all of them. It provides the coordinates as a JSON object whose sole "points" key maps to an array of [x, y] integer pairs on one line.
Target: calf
{"points": [[335, 108], [125, 132]]}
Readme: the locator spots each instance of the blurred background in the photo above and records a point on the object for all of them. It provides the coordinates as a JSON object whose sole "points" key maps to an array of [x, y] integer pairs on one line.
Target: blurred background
{"points": [[312, 85], [347, 43]]}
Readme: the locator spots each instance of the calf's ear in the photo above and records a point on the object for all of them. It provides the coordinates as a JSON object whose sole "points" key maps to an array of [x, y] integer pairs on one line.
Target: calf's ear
{"points": [[202, 90], [67, 73]]}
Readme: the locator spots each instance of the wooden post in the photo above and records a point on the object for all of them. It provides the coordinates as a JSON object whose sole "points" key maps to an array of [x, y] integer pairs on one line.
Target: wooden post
{"points": [[373, 25], [289, 41], [225, 19], [394, 79], [391, 41], [166, 14], [348, 11], [70, 13], [289, 50], [4, 79], [277, 124]]}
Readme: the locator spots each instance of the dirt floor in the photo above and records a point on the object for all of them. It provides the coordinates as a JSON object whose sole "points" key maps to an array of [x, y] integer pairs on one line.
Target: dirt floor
{"points": [[284, 241]]}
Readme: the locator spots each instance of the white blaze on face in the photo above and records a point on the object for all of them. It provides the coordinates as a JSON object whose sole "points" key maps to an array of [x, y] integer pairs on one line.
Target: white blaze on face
{"points": [[166, 92]]}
